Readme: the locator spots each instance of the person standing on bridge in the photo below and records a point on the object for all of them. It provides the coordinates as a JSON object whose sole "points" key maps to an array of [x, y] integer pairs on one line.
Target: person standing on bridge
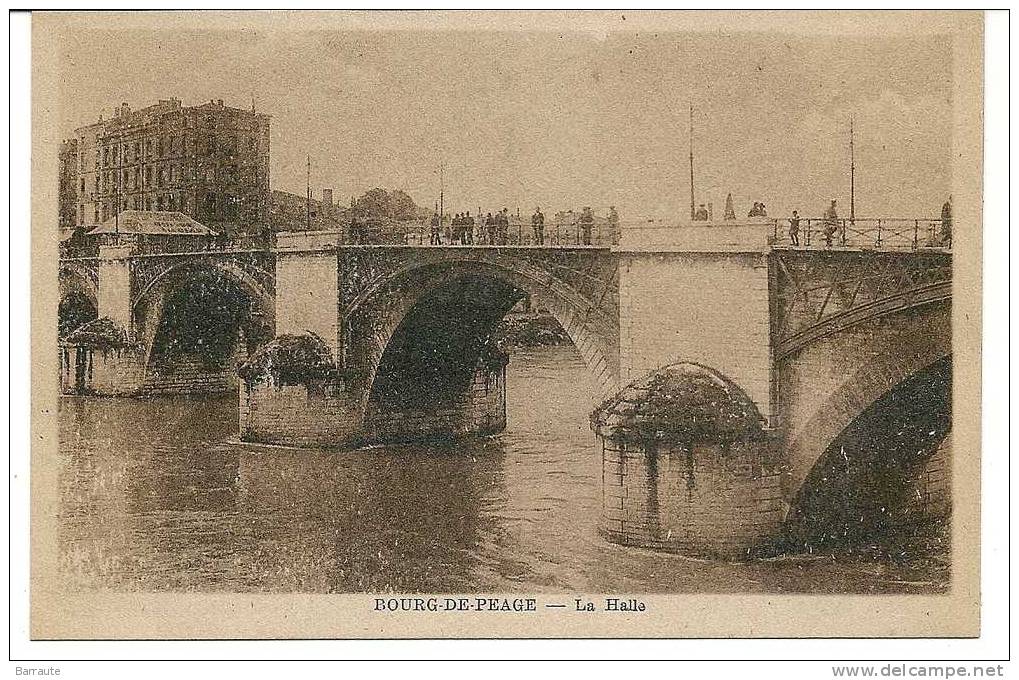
{"points": [[586, 223], [490, 229], [436, 231], [503, 225], [702, 214], [469, 229], [538, 226], [613, 224], [831, 223], [794, 229], [946, 223]]}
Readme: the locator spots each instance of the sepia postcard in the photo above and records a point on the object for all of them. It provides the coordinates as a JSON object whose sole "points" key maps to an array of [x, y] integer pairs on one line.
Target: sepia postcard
{"points": [[506, 324]]}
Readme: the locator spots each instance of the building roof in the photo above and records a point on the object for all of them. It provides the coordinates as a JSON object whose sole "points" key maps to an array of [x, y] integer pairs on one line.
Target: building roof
{"points": [[152, 223]]}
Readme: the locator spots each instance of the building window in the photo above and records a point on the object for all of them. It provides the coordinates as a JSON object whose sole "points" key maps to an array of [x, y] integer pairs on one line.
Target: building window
{"points": [[148, 175], [210, 206], [83, 186], [137, 150]]}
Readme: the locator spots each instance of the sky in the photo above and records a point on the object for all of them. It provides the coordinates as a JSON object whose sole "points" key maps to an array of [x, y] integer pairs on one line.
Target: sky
{"points": [[561, 120]]}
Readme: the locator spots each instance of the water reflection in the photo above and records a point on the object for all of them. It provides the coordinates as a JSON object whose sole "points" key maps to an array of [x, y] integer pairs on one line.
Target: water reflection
{"points": [[158, 495]]}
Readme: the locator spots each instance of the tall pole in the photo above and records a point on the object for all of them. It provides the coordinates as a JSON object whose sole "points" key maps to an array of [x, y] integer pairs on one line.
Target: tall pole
{"points": [[442, 179], [307, 210], [852, 174], [692, 213]]}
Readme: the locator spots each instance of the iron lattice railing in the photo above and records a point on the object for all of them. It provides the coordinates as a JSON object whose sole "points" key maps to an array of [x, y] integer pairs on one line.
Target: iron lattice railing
{"points": [[863, 234]]}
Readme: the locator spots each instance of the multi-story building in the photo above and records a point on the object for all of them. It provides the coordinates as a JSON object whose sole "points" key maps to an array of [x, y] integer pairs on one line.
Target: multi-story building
{"points": [[209, 161], [68, 189]]}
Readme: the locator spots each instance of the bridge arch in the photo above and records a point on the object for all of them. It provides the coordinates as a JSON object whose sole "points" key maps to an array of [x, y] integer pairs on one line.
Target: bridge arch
{"points": [[220, 296], [79, 297], [860, 384], [445, 296], [174, 274]]}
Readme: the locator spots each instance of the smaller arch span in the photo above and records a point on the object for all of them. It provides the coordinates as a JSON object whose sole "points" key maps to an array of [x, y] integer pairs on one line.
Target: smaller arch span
{"points": [[171, 276]]}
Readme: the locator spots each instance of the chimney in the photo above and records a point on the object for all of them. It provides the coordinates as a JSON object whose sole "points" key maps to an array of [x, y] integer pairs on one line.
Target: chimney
{"points": [[219, 103], [327, 199]]}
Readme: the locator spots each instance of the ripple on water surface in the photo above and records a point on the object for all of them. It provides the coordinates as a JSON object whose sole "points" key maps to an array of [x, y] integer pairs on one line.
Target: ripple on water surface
{"points": [[157, 494]]}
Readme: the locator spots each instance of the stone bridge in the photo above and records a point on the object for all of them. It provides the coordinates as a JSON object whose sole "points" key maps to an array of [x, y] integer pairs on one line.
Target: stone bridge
{"points": [[821, 341]]}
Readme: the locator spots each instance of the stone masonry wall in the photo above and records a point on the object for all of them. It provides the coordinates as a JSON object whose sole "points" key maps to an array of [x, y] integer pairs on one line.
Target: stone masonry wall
{"points": [[296, 415], [113, 373], [711, 501], [709, 308], [481, 411], [190, 375], [932, 491]]}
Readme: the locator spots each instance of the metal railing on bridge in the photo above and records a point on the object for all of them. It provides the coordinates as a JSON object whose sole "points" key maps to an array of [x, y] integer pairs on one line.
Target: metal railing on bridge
{"points": [[863, 234], [893, 234], [599, 234]]}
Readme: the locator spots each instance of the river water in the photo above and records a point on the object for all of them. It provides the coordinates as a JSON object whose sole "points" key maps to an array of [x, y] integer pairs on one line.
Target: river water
{"points": [[159, 495]]}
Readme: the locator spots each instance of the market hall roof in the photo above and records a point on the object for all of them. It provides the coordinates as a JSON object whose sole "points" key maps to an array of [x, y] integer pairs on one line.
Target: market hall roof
{"points": [[152, 223]]}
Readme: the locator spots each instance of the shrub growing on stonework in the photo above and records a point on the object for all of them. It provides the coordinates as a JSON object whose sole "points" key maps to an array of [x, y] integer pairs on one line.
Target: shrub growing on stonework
{"points": [[103, 334], [290, 360], [680, 403]]}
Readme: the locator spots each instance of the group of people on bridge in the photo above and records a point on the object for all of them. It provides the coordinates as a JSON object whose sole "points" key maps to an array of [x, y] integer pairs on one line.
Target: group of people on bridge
{"points": [[465, 230], [494, 229]]}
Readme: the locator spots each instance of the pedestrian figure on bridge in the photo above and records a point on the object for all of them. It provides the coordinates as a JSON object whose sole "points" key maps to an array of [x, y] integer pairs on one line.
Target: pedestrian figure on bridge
{"points": [[755, 211], [730, 210], [490, 229], [831, 223], [503, 226], [946, 223], [435, 238], [538, 226], [702, 214], [614, 224], [586, 223], [794, 229], [763, 212], [468, 229]]}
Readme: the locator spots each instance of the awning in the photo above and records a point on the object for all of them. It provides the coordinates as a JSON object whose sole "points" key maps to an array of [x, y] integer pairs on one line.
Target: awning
{"points": [[152, 223]]}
